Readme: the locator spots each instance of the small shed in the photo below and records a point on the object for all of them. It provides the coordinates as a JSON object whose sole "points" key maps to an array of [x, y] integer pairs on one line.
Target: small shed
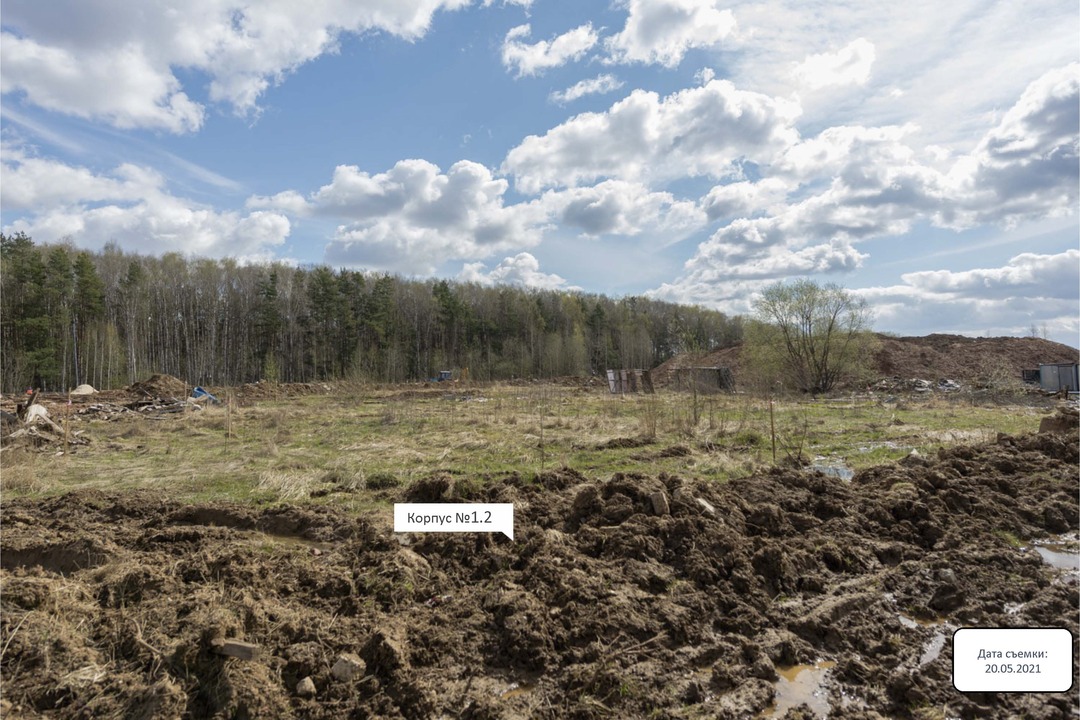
{"points": [[629, 381], [1055, 377], [705, 379]]}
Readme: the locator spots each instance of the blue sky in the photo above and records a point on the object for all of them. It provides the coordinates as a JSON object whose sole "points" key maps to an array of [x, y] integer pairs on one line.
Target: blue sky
{"points": [[923, 155]]}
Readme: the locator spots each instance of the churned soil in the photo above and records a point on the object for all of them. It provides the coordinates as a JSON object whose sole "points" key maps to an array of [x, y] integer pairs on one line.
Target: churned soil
{"points": [[632, 596]]}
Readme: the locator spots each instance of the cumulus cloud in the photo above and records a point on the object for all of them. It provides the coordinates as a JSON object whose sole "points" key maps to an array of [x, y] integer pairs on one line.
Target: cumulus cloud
{"points": [[523, 269], [1027, 274], [743, 199], [414, 217], [853, 183], [130, 206], [105, 61], [1029, 289], [118, 85], [662, 31], [1027, 166], [534, 59], [594, 86], [848, 66], [616, 207], [697, 131]]}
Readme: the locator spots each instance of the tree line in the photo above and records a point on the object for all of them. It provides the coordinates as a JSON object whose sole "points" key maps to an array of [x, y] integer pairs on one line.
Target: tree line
{"points": [[109, 318]]}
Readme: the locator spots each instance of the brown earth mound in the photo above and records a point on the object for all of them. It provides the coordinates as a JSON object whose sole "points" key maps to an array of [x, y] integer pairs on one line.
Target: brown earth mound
{"points": [[160, 386], [971, 361], [968, 360], [634, 597]]}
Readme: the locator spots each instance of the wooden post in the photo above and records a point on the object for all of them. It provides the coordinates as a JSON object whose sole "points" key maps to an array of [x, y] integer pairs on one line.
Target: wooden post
{"points": [[67, 422], [772, 431]]}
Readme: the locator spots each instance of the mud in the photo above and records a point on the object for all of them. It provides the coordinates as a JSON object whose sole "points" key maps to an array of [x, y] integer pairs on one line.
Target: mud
{"points": [[114, 605]]}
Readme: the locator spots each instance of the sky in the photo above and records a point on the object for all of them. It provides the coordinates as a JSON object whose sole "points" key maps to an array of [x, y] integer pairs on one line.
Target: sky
{"points": [[923, 155]]}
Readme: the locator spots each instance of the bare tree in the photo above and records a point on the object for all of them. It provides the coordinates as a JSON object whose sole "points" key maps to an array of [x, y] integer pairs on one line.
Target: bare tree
{"points": [[810, 335]]}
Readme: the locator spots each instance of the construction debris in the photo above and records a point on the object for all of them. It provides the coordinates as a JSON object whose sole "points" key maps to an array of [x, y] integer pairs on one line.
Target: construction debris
{"points": [[102, 411]]}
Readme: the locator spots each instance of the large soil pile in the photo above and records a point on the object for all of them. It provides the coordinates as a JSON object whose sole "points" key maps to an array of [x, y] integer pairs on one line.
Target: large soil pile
{"points": [[160, 386], [967, 359], [971, 361], [632, 597]]}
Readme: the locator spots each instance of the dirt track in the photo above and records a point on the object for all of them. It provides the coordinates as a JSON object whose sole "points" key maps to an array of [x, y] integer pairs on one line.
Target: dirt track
{"points": [[601, 608]]}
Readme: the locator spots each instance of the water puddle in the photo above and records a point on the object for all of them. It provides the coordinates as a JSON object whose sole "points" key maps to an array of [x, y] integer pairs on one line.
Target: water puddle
{"points": [[1059, 556], [932, 649], [911, 623], [832, 469], [1062, 552], [800, 684]]}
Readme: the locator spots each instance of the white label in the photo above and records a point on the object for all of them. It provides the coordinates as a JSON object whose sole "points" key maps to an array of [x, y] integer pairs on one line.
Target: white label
{"points": [[455, 517], [1012, 660]]}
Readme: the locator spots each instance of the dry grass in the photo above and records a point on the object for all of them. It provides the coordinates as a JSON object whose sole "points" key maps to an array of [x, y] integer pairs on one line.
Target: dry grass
{"points": [[282, 450], [287, 486]]}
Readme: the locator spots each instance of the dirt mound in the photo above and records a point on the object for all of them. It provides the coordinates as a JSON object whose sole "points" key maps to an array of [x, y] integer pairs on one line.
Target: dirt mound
{"points": [[663, 375], [275, 391], [965, 359], [160, 386], [631, 597], [976, 362]]}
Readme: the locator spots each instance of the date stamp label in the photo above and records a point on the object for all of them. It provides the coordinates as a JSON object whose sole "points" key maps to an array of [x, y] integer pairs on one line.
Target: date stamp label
{"points": [[1012, 660], [455, 517]]}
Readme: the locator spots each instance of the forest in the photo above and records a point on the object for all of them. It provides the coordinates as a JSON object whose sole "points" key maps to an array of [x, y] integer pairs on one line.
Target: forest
{"points": [[108, 318]]}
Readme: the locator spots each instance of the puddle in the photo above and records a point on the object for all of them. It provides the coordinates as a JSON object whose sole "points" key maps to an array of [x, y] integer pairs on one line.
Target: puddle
{"points": [[1059, 556], [932, 649], [1061, 552], [800, 684], [832, 469], [870, 447]]}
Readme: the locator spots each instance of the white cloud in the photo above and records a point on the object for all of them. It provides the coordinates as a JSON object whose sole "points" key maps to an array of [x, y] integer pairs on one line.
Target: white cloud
{"points": [[37, 184], [1008, 300], [1027, 274], [594, 86], [848, 66], [698, 131], [534, 59], [616, 207], [855, 183], [131, 207], [107, 61], [1027, 167], [288, 201], [940, 66], [523, 269], [414, 217], [119, 85], [662, 31], [743, 199]]}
